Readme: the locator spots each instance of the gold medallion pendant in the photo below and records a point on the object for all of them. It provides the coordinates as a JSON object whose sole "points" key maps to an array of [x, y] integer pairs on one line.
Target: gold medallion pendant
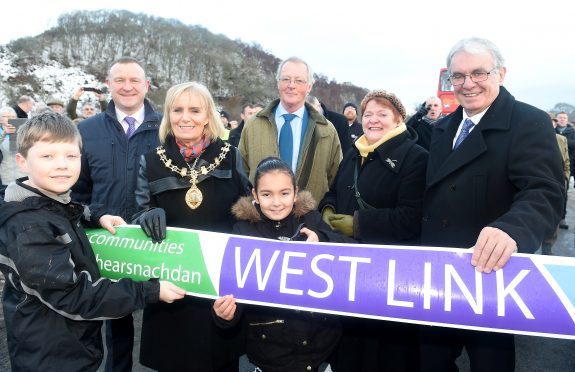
{"points": [[194, 197]]}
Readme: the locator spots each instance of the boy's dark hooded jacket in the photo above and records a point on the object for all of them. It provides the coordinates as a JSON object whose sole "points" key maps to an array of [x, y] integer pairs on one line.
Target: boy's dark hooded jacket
{"points": [[54, 299]]}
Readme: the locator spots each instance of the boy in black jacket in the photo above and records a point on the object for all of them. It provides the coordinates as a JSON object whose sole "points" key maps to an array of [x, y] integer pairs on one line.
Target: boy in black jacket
{"points": [[54, 298]]}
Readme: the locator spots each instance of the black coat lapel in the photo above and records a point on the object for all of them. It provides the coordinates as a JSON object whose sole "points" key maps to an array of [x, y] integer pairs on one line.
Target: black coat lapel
{"points": [[473, 146], [443, 160]]}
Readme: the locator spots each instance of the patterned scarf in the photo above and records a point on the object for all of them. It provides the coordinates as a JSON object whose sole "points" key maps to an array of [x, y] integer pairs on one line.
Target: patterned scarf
{"points": [[195, 150], [431, 121]]}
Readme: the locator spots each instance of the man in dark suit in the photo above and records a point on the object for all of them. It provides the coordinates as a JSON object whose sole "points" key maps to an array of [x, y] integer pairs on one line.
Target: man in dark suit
{"points": [[340, 123], [351, 113], [248, 110], [337, 120], [494, 183], [423, 121], [24, 107], [114, 141]]}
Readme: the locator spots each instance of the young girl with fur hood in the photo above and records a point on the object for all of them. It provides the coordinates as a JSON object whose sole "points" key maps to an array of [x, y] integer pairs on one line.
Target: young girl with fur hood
{"points": [[281, 340]]}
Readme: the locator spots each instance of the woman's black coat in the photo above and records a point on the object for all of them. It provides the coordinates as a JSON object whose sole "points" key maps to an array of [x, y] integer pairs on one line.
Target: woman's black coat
{"points": [[392, 180], [182, 336]]}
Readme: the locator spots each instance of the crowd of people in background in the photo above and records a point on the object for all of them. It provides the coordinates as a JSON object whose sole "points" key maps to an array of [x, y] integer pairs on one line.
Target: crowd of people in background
{"points": [[365, 174]]}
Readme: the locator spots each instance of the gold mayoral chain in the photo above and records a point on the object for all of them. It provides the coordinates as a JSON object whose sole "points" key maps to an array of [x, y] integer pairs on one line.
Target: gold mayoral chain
{"points": [[194, 196]]}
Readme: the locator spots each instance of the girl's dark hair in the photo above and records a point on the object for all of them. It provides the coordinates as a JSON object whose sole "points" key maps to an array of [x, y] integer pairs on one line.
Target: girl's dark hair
{"points": [[271, 164]]}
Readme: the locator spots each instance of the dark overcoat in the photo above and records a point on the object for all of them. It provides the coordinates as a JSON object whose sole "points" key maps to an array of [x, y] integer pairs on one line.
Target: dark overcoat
{"points": [[110, 160], [341, 126], [391, 179], [182, 336], [507, 174]]}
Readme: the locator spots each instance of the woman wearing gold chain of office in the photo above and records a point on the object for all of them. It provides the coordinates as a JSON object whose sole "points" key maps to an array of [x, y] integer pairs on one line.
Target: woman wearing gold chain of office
{"points": [[190, 181]]}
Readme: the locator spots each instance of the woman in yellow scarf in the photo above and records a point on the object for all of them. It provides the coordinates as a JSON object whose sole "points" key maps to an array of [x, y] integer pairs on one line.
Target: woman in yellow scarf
{"points": [[377, 198]]}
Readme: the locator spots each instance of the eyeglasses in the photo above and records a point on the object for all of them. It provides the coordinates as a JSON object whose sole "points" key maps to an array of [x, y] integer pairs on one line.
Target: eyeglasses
{"points": [[296, 81], [476, 77]]}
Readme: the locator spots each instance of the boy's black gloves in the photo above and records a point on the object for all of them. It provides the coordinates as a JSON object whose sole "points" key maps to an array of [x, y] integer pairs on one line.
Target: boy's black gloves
{"points": [[153, 222]]}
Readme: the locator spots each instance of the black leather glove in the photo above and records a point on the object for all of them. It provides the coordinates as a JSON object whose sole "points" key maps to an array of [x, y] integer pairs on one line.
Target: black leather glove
{"points": [[422, 109], [153, 222]]}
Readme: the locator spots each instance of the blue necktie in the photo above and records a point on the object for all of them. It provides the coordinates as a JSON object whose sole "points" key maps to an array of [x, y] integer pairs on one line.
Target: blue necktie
{"points": [[286, 139], [467, 125], [131, 125]]}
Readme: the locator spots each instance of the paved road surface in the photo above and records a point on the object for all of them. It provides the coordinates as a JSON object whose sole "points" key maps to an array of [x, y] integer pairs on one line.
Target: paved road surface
{"points": [[534, 354]]}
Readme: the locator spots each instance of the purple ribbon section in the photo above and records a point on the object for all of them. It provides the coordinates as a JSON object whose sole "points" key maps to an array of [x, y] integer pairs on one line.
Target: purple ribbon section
{"points": [[415, 284]]}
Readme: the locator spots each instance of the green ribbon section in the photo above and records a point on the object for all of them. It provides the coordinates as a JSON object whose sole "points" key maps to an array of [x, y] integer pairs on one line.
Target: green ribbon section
{"points": [[131, 254]]}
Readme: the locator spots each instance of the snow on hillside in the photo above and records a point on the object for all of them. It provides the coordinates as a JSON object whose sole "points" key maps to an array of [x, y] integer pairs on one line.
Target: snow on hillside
{"points": [[55, 79], [61, 82], [6, 71]]}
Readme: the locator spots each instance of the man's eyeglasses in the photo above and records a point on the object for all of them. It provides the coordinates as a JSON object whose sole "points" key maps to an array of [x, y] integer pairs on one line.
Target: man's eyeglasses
{"points": [[476, 77], [288, 81]]}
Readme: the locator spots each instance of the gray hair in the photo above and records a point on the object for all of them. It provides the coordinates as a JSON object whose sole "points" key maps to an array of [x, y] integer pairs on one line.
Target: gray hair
{"points": [[310, 78], [434, 98], [23, 99], [476, 45], [7, 110], [40, 108], [312, 100]]}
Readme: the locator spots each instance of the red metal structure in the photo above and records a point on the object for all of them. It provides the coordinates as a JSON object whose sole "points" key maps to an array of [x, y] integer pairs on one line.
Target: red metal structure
{"points": [[445, 92]]}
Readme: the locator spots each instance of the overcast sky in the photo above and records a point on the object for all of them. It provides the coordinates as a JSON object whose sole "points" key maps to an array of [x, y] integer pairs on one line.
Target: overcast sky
{"points": [[398, 46]]}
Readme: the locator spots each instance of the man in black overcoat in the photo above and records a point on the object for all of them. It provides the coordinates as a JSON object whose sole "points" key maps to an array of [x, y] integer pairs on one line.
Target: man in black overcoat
{"points": [[494, 183], [337, 120]]}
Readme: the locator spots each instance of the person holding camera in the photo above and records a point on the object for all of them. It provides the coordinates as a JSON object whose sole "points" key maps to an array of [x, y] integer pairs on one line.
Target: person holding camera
{"points": [[88, 109], [9, 170], [423, 121]]}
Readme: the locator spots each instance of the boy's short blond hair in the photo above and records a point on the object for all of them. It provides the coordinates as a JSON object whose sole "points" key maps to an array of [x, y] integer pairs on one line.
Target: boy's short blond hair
{"points": [[49, 127]]}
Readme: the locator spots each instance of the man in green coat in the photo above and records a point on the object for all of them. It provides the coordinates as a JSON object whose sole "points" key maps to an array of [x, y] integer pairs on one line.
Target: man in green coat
{"points": [[292, 129]]}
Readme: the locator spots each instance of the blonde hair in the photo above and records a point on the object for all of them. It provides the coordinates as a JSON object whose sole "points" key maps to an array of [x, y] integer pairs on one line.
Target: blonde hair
{"points": [[49, 127], [215, 127]]}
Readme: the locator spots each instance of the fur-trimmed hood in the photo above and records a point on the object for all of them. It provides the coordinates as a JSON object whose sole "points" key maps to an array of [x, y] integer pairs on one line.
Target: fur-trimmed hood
{"points": [[245, 210]]}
